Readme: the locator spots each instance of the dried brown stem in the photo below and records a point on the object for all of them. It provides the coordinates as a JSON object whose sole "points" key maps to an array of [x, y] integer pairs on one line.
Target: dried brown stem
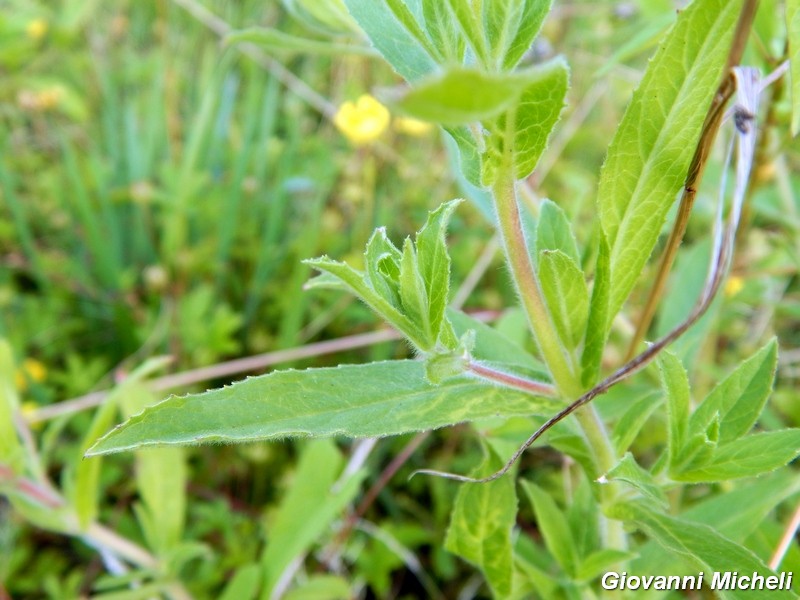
{"points": [[696, 168]]}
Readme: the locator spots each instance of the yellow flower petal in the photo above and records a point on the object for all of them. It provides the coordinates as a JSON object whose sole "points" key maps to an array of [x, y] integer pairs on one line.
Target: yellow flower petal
{"points": [[36, 29], [411, 126], [362, 121], [733, 286]]}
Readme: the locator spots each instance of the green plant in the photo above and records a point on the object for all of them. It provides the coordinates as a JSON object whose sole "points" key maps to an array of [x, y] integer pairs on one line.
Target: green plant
{"points": [[462, 61]]}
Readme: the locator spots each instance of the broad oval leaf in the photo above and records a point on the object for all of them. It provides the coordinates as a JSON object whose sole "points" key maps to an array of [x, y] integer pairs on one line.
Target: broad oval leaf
{"points": [[649, 157], [376, 399]]}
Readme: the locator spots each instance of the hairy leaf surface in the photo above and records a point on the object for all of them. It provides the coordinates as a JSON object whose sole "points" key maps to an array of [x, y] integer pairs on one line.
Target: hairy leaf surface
{"points": [[377, 399]]}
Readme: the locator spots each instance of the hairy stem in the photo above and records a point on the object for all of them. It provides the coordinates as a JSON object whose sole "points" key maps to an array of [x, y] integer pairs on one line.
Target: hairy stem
{"points": [[527, 285]]}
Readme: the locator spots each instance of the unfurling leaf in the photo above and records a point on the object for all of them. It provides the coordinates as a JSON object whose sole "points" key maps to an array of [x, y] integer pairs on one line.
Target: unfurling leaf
{"points": [[408, 288]]}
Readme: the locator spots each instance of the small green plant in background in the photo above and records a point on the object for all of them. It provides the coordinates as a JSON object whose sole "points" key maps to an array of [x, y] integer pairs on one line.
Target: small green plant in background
{"points": [[662, 477]]}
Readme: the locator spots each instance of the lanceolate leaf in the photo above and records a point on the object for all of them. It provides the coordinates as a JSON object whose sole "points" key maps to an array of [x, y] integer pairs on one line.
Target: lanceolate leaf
{"points": [[389, 34], [310, 505], [793, 31], [554, 233], [481, 524], [704, 548], [739, 399], [598, 322], [377, 399], [443, 31], [567, 297], [676, 389], [651, 151], [734, 514], [746, 457], [434, 261], [472, 27], [554, 527], [278, 41], [528, 25]]}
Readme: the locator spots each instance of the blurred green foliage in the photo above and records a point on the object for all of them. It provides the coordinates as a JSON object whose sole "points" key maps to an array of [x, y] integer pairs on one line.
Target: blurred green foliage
{"points": [[157, 193]]}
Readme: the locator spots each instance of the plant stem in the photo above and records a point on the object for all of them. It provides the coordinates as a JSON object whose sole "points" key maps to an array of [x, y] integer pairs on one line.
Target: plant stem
{"points": [[560, 365], [527, 285], [539, 388]]}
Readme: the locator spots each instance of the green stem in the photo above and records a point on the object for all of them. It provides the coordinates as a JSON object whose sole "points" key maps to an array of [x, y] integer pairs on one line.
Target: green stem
{"points": [[559, 363], [527, 284], [594, 430]]}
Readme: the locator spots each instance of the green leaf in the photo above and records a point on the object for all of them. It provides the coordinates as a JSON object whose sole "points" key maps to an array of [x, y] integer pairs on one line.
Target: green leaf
{"points": [[463, 95], [377, 399], [390, 36], [444, 31], [553, 526], [472, 28], [649, 157], [793, 33], [434, 262], [702, 547], [527, 26], [278, 41], [409, 288], [567, 297], [553, 231], [745, 457], [359, 285], [600, 562], [321, 587], [413, 296], [244, 583], [382, 263], [469, 158], [632, 421], [11, 453], [491, 345], [676, 388], [629, 471], [734, 514], [739, 399], [532, 119], [598, 322], [481, 523], [307, 510], [84, 488]]}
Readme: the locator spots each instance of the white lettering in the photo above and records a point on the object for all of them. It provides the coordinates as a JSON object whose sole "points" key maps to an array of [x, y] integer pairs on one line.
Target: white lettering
{"points": [[721, 581], [610, 581]]}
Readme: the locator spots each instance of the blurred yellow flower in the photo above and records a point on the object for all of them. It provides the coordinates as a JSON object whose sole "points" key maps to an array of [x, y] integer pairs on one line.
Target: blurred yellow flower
{"points": [[36, 29], [30, 370], [49, 98], [733, 286], [411, 126], [362, 121]]}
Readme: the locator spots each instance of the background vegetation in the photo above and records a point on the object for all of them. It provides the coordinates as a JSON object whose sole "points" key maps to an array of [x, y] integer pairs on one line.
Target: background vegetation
{"points": [[158, 191]]}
